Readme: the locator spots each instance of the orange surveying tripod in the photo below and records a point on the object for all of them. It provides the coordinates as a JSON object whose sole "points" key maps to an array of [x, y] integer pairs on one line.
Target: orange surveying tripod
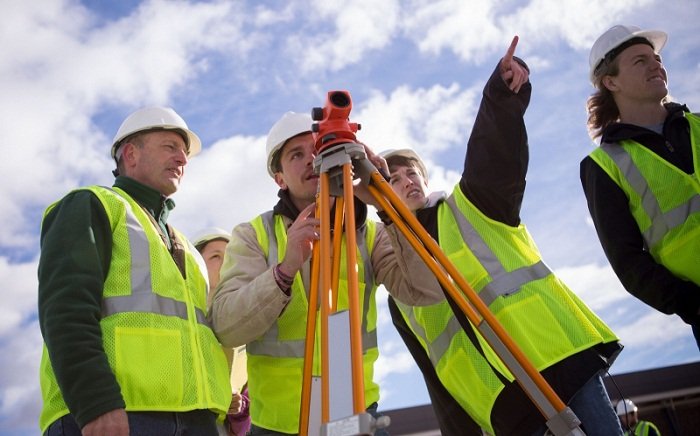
{"points": [[329, 412]]}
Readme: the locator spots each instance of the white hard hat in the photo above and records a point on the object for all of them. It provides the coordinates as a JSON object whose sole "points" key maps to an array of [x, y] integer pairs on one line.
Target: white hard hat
{"points": [[209, 234], [407, 153], [618, 35], [290, 125], [625, 406], [154, 118]]}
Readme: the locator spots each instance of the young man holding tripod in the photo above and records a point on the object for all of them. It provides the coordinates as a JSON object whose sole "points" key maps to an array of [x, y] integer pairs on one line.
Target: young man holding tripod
{"points": [[262, 298], [478, 227]]}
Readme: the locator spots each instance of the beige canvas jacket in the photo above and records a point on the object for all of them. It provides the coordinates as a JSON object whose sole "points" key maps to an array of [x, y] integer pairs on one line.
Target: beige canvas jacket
{"points": [[247, 300]]}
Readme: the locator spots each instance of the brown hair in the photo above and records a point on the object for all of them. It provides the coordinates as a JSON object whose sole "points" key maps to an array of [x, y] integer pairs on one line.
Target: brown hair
{"points": [[404, 162], [601, 106]]}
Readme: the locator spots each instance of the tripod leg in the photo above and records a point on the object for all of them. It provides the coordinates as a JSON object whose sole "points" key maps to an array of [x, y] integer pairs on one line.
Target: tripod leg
{"points": [[326, 290], [337, 245], [312, 387], [353, 292], [346, 324]]}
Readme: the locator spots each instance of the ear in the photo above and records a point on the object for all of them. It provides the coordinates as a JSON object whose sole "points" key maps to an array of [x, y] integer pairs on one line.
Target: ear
{"points": [[610, 82], [128, 153], [279, 179]]}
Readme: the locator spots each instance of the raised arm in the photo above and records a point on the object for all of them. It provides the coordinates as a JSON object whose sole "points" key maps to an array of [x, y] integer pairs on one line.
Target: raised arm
{"points": [[497, 151]]}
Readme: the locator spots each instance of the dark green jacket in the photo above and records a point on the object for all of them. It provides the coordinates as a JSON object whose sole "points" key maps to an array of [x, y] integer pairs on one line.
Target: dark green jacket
{"points": [[76, 251]]}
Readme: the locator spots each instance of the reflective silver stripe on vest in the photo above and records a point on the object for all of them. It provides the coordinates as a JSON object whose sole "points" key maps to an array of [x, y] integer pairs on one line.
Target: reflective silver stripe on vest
{"points": [[502, 282], [511, 282], [268, 220], [370, 337], [142, 298], [269, 344], [661, 223], [438, 346]]}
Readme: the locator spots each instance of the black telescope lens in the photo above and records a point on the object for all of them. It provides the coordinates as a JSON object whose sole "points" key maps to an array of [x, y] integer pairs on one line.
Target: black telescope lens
{"points": [[340, 99]]}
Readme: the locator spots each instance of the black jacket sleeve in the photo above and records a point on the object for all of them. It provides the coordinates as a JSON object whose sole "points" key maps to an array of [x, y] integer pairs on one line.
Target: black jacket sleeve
{"points": [[76, 246], [497, 152], [623, 245]]}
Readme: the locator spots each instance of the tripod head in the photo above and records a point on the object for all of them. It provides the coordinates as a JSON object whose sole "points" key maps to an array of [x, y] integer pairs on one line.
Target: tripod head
{"points": [[332, 124], [335, 141]]}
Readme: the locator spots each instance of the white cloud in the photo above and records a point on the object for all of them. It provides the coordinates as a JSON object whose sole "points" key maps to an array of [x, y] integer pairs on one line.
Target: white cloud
{"points": [[356, 28], [652, 328], [477, 29], [428, 120], [20, 396], [394, 358], [597, 285], [20, 296], [466, 28], [431, 121], [20, 341], [65, 66], [578, 22]]}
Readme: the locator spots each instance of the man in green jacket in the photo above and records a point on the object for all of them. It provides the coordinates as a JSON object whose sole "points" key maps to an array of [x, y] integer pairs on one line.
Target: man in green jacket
{"points": [[122, 299]]}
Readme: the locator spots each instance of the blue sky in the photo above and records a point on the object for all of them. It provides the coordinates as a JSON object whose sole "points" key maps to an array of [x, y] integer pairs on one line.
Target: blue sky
{"points": [[71, 71]]}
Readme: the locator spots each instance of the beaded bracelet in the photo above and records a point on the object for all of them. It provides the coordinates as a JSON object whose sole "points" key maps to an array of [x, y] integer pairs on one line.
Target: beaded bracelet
{"points": [[283, 280]]}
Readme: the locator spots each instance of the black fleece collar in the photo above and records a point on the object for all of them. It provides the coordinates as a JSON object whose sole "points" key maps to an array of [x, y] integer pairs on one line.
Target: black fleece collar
{"points": [[286, 207], [617, 132]]}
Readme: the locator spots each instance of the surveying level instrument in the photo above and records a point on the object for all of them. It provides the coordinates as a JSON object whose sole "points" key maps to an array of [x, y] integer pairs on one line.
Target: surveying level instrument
{"points": [[326, 411]]}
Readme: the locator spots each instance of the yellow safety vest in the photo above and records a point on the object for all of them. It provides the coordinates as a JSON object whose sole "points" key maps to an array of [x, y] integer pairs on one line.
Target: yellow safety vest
{"points": [[643, 428], [664, 200], [154, 329], [275, 360], [504, 266]]}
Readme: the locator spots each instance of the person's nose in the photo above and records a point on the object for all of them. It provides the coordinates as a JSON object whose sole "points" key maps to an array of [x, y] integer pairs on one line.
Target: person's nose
{"points": [[408, 182], [181, 157], [310, 158]]}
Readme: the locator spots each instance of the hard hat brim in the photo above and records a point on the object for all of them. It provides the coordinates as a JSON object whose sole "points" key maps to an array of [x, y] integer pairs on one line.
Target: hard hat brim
{"points": [[194, 144], [210, 234]]}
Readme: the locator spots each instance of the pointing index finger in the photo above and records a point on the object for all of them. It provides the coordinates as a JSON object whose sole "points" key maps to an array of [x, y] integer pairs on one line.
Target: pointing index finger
{"points": [[511, 50]]}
